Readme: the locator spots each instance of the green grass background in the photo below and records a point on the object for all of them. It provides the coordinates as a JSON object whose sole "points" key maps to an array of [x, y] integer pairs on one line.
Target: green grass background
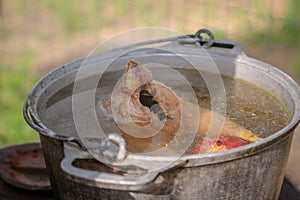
{"points": [[33, 31]]}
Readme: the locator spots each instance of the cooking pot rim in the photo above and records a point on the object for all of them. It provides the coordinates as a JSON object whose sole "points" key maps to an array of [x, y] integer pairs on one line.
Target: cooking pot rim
{"points": [[32, 117]]}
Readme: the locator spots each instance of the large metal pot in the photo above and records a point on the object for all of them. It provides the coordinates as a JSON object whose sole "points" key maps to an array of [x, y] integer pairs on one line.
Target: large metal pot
{"points": [[254, 171]]}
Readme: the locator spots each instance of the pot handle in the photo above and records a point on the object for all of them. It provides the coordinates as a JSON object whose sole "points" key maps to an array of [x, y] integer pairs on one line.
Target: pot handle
{"points": [[210, 42], [29, 119], [229, 45], [27, 114], [225, 47], [102, 179]]}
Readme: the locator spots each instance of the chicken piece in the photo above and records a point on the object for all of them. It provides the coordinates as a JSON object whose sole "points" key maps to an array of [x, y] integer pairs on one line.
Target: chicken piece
{"points": [[142, 129], [149, 127]]}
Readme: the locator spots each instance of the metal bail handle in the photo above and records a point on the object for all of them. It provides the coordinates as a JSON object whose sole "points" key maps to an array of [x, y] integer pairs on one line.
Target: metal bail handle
{"points": [[205, 38], [198, 39], [210, 40]]}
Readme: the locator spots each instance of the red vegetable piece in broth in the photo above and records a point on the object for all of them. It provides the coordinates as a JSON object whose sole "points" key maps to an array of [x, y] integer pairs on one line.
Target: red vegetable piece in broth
{"points": [[223, 143]]}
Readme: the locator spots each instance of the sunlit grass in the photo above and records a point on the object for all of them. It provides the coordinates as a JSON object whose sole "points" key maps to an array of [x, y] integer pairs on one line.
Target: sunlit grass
{"points": [[15, 86], [74, 16], [296, 62]]}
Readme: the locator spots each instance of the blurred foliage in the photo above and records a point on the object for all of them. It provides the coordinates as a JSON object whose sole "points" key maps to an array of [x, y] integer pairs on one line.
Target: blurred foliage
{"points": [[295, 65], [33, 27], [291, 33], [288, 33], [15, 86], [77, 16]]}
